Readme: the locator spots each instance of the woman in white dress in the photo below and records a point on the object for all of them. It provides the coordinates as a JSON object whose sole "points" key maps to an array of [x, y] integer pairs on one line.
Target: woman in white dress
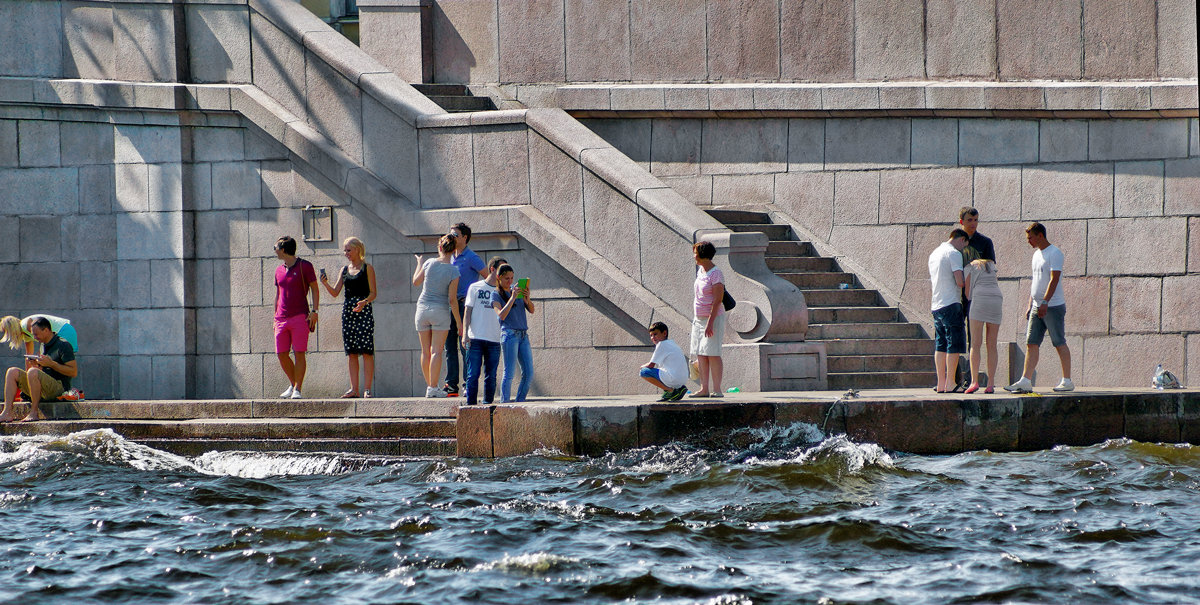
{"points": [[987, 310]]}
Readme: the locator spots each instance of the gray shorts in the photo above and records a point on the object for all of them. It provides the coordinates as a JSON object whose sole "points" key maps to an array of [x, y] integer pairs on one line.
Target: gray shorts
{"points": [[1054, 321], [433, 318]]}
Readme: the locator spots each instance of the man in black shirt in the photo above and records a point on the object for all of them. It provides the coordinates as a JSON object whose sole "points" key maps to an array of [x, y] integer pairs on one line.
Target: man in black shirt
{"points": [[978, 246], [45, 376]]}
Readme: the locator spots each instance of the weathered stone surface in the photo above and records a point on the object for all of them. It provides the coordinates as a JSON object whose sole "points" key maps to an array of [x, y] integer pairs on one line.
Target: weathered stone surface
{"points": [[807, 198], [218, 144], [556, 185], [744, 146], [447, 178], [1067, 191], [888, 48], [151, 331], [695, 189], [39, 238], [1149, 246], [39, 141], [1128, 361], [934, 142], [817, 40], [934, 195], [1125, 96], [1180, 307], [1153, 417], [704, 423], [219, 43], [531, 41], [743, 40], [501, 164], [604, 429], [96, 189], [1138, 189], [986, 141], [1063, 141], [1011, 245], [1066, 420], [236, 185], [610, 217], [8, 143], [885, 262], [132, 185], [88, 238], [1182, 191], [921, 242], [146, 144], [744, 189], [222, 234], [593, 29], [1137, 139], [164, 187], [991, 424], [143, 42], [86, 143], [1194, 244], [771, 98], [1087, 303], [520, 430], [1119, 39], [856, 198], [31, 39], [919, 427], [465, 36], [87, 40], [39, 191], [334, 106], [667, 41], [997, 193], [960, 38], [278, 65], [1038, 41], [675, 147], [849, 97], [565, 364], [827, 418], [630, 137], [473, 429], [393, 36], [858, 144], [806, 144], [1136, 304], [1192, 370], [1176, 39]]}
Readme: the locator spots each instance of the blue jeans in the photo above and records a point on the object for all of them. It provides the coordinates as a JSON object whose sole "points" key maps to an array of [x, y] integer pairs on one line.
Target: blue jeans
{"points": [[485, 354], [516, 350]]}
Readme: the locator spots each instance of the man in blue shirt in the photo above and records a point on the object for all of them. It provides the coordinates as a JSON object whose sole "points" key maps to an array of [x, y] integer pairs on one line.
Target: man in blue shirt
{"points": [[471, 269]]}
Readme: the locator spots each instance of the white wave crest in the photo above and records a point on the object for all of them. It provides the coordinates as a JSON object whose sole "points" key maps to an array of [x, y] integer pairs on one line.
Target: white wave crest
{"points": [[837, 451], [538, 562], [259, 465]]}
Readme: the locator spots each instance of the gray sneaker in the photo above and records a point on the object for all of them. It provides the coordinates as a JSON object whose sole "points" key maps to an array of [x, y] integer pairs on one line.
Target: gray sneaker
{"points": [[1065, 385], [1024, 385]]}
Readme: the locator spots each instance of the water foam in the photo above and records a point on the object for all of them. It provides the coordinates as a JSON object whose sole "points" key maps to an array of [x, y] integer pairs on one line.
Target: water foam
{"points": [[537, 562]]}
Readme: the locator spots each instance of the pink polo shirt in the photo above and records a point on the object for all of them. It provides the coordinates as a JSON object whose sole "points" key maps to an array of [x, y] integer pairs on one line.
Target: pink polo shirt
{"points": [[291, 286]]}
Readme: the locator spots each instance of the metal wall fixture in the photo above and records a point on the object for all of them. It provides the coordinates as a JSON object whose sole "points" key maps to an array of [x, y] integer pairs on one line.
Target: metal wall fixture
{"points": [[317, 222]]}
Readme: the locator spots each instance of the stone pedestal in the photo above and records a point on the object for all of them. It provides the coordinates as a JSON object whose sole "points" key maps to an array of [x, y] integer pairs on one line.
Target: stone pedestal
{"points": [[399, 34], [775, 366]]}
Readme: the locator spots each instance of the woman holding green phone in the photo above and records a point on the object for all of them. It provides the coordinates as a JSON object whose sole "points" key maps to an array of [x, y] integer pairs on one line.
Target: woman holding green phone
{"points": [[514, 337]]}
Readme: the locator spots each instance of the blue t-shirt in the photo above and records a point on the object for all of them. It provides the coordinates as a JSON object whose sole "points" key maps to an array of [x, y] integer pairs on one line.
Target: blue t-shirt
{"points": [[516, 319], [469, 265]]}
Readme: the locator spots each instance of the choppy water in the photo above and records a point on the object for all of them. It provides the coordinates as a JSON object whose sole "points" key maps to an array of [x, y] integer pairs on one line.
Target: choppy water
{"points": [[792, 518]]}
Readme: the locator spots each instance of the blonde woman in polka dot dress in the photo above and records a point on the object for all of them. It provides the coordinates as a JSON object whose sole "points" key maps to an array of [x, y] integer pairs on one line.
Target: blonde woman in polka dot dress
{"points": [[358, 322]]}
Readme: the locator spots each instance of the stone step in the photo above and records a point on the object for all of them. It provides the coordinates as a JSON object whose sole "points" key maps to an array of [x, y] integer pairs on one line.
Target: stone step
{"points": [[774, 232], [882, 380], [789, 248], [819, 281], [247, 428], [828, 315], [878, 346], [843, 364], [864, 330], [251, 409], [842, 298], [444, 90], [369, 447], [457, 103], [729, 216], [812, 264]]}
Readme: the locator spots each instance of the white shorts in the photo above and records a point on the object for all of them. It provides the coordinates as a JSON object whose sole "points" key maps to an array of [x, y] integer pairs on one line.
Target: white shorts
{"points": [[702, 345]]}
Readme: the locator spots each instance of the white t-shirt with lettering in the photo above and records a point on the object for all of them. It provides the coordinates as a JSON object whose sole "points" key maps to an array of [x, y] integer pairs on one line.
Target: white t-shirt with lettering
{"points": [[485, 324], [1045, 261]]}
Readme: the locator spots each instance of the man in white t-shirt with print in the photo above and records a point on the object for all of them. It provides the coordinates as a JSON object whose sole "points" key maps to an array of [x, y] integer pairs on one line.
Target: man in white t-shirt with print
{"points": [[1047, 311], [667, 369], [946, 281], [482, 337]]}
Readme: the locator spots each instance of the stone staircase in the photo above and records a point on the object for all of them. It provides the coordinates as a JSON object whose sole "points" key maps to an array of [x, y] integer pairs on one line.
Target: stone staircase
{"points": [[454, 98], [869, 345]]}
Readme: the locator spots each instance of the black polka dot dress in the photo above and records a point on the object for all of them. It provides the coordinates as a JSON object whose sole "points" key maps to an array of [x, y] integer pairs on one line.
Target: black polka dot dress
{"points": [[358, 329]]}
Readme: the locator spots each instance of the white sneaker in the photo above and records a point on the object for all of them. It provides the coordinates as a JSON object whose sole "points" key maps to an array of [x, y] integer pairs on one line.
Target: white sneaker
{"points": [[1024, 385], [435, 393], [1065, 385], [296, 393], [288, 393]]}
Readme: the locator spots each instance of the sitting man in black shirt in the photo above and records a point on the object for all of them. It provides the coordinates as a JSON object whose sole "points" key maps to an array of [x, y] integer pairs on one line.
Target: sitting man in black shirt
{"points": [[45, 376]]}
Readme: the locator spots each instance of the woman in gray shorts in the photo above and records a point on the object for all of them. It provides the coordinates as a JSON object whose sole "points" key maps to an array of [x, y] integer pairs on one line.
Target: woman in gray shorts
{"points": [[436, 308]]}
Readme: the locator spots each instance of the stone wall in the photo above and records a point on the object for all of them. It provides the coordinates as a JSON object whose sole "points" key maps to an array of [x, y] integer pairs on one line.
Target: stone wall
{"points": [[493, 41], [1119, 196]]}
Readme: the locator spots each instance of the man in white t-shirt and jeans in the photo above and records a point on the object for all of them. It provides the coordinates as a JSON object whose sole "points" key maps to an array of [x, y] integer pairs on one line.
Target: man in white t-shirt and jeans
{"points": [[1047, 311], [481, 339], [946, 281], [667, 369]]}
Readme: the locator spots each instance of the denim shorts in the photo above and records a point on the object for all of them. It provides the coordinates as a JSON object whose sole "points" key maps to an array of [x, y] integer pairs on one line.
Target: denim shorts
{"points": [[1055, 321], [949, 334]]}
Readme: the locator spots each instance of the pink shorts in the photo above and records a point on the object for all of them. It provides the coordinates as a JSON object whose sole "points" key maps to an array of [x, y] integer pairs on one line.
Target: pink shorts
{"points": [[291, 334]]}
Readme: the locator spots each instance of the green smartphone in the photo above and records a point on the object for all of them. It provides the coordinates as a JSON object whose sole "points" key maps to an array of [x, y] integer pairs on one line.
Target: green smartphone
{"points": [[522, 284]]}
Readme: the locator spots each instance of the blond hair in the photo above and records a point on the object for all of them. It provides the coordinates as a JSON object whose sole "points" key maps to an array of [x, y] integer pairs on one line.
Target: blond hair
{"points": [[12, 332], [357, 244], [985, 265]]}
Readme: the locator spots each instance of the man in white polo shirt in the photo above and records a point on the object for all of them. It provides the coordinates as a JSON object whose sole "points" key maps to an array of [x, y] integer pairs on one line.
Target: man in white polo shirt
{"points": [[1047, 311]]}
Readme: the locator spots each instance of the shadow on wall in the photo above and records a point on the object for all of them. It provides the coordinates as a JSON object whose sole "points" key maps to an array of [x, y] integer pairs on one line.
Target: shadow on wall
{"points": [[453, 61]]}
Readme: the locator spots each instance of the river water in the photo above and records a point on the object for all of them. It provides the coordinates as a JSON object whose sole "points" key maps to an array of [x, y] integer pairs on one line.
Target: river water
{"points": [[792, 517]]}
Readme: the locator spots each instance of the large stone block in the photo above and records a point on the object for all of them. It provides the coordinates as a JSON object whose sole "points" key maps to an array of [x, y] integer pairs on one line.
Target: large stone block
{"points": [[144, 42], [278, 64], [88, 238], [668, 41], [151, 331], [1153, 417], [744, 189], [8, 143], [1068, 420], [921, 243], [744, 146], [219, 43], [1013, 250], [520, 430], [96, 189], [807, 197], [85, 143], [1194, 244], [816, 40], [935, 142], [919, 427], [1180, 307], [132, 187], [1063, 141], [218, 144], [960, 38], [10, 231], [1136, 304], [31, 39], [39, 143], [134, 371], [39, 191], [886, 259], [501, 165], [1138, 189], [997, 193], [987, 141], [465, 40], [695, 189], [1067, 191], [87, 41], [675, 147], [556, 185], [594, 28], [334, 106], [665, 257], [630, 137], [168, 279], [135, 144], [447, 178], [1176, 39], [857, 144], [390, 148], [743, 40], [889, 48], [164, 187], [1119, 41], [1129, 360], [604, 429], [806, 144], [40, 238], [1137, 139], [610, 217], [473, 431], [133, 284], [392, 34], [565, 364], [708, 424], [934, 195], [856, 198], [145, 235], [1149, 246], [531, 44], [1182, 188], [1087, 304], [223, 234], [1194, 149], [1036, 41], [991, 424]]}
